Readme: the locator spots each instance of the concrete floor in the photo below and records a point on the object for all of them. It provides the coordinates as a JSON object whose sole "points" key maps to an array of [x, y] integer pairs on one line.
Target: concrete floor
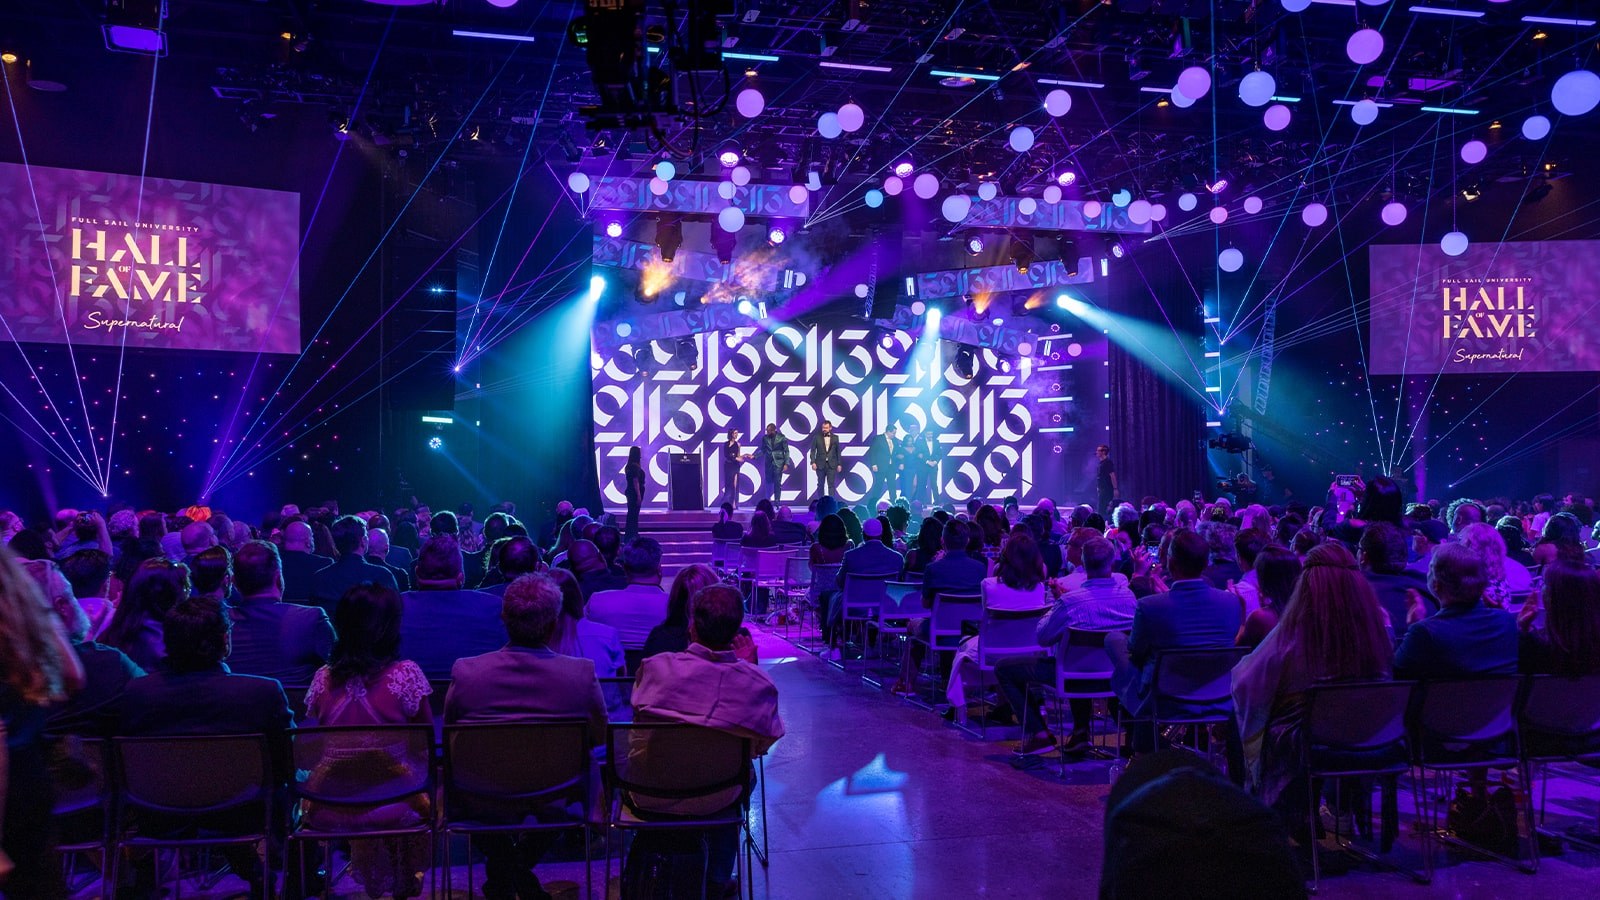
{"points": [[871, 796]]}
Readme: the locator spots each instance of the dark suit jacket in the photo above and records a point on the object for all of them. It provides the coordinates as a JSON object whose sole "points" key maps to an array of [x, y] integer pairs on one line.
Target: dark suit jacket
{"points": [[825, 453], [399, 557], [1218, 574], [1459, 641], [773, 452], [727, 531], [298, 569], [439, 627], [604, 580], [212, 702], [1391, 591], [402, 578], [523, 684], [1192, 615], [789, 532], [883, 455], [959, 573], [328, 585], [94, 710], [871, 558], [286, 641]]}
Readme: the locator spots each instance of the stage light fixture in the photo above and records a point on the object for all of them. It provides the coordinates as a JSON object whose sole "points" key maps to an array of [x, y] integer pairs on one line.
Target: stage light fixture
{"points": [[1067, 178], [135, 26], [1115, 247], [1231, 442], [728, 154], [776, 234], [723, 242], [745, 307], [687, 354], [436, 443], [669, 237], [903, 168], [614, 229], [597, 286], [1218, 186], [974, 243], [1021, 255], [1471, 192], [966, 363], [643, 358], [8, 57], [1068, 249]]}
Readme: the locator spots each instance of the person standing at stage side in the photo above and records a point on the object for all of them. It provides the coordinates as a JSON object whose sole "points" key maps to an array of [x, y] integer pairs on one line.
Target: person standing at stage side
{"points": [[774, 452], [633, 490], [1105, 479], [907, 465], [883, 457], [825, 460], [731, 458]]}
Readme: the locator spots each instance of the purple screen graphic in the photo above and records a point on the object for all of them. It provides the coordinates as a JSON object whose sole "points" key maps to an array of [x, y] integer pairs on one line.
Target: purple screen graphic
{"points": [[1495, 309], [1020, 426], [187, 266]]}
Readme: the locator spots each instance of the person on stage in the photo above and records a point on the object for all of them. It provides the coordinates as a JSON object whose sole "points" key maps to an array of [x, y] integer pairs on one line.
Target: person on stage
{"points": [[884, 460], [731, 458], [825, 460], [1105, 479], [633, 490], [774, 452], [920, 462]]}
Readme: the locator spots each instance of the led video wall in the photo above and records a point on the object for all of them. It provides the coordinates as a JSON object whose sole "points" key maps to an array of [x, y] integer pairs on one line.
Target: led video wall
{"points": [[1004, 425]]}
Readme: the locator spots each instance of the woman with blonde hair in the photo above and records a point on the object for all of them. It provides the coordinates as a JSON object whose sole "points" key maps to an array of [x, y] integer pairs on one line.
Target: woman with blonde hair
{"points": [[1507, 577], [1332, 630], [38, 669]]}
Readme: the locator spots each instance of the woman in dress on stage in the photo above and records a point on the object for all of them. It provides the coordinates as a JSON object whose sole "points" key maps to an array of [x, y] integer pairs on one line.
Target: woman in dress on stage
{"points": [[633, 475]]}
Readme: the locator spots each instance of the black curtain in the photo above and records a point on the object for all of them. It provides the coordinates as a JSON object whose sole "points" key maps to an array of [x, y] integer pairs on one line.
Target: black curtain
{"points": [[1157, 427]]}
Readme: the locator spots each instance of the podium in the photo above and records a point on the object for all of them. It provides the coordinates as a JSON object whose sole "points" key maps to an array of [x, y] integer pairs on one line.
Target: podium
{"points": [[685, 488]]}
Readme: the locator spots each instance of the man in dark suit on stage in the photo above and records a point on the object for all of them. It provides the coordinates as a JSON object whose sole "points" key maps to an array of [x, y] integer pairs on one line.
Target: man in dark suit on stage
{"points": [[732, 456], [921, 467], [883, 456], [773, 449], [825, 460]]}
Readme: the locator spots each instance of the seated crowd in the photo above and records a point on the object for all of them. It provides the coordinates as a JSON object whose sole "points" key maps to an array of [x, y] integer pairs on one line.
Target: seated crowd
{"points": [[113, 629]]}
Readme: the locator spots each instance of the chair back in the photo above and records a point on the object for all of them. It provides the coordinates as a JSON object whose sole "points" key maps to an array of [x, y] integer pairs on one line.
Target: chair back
{"points": [[1563, 706], [823, 577], [1190, 680], [1008, 633], [193, 775], [724, 553], [901, 600], [749, 561], [950, 613], [863, 595], [675, 761], [1358, 716], [363, 765], [771, 565], [1082, 656], [619, 696], [797, 573], [81, 770], [1467, 710], [526, 763]]}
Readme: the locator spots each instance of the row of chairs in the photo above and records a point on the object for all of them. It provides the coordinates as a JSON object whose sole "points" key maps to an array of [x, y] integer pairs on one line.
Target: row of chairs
{"points": [[512, 778]]}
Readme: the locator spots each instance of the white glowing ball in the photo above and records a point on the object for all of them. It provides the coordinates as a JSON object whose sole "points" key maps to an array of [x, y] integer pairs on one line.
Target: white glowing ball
{"points": [[862, 290], [1218, 214], [1231, 260], [658, 187], [1139, 212], [893, 185], [1576, 93], [988, 190], [1364, 46], [1535, 128], [579, 182], [1257, 88], [1052, 194], [503, 4], [926, 185], [1474, 152], [1187, 201], [624, 329], [1296, 5], [1252, 205], [828, 125], [1194, 81], [666, 171], [731, 219], [956, 207], [1277, 117], [1021, 138], [1314, 214], [873, 198], [1027, 206], [1180, 99], [797, 193], [1057, 102], [750, 103], [740, 176], [1454, 244], [1158, 212], [1364, 112], [1122, 198], [726, 190], [1093, 208], [1393, 213], [1382, 2], [852, 117]]}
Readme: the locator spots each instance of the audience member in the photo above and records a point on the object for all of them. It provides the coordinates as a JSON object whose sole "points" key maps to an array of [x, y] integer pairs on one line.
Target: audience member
{"points": [[672, 635], [727, 528], [367, 683], [92, 710], [211, 573], [1018, 585], [377, 554], [640, 605], [1247, 545], [578, 635], [89, 574], [872, 558], [1465, 637], [442, 622], [832, 542], [136, 627], [585, 561], [1568, 640], [1382, 557], [1507, 578], [514, 558], [524, 681], [1276, 571], [299, 563], [271, 638], [760, 533], [1224, 568], [351, 568]]}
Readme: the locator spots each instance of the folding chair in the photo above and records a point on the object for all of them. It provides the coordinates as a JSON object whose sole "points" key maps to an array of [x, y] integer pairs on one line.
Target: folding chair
{"points": [[83, 799], [1193, 689], [860, 600], [356, 768], [156, 785], [651, 767], [796, 582], [1560, 722], [901, 600], [1466, 725], [515, 778], [1358, 730], [947, 623], [762, 569], [824, 577], [1004, 635], [1083, 672]]}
